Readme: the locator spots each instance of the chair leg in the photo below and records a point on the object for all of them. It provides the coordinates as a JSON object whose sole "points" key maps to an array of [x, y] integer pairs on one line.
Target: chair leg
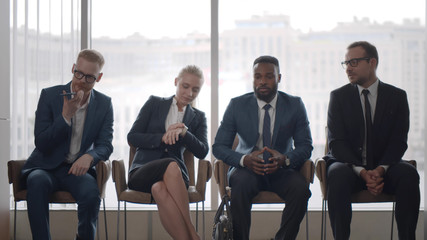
{"points": [[197, 217], [126, 226], [392, 220], [118, 219], [97, 229], [105, 220], [324, 219], [14, 223], [203, 215], [306, 224]]}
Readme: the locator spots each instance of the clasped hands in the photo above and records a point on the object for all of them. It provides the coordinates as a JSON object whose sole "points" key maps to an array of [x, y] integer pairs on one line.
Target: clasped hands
{"points": [[173, 132], [374, 180], [257, 164]]}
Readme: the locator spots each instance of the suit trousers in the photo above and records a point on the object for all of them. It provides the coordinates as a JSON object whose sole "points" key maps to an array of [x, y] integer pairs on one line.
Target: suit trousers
{"points": [[289, 184], [84, 189], [401, 179]]}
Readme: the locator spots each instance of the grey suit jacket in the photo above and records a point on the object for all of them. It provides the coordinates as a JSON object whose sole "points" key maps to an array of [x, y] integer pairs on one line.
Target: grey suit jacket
{"points": [[291, 133], [149, 127], [52, 134]]}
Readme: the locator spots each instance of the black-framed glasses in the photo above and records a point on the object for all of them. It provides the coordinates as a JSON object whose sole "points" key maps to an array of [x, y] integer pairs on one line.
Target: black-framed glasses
{"points": [[354, 62], [88, 78]]}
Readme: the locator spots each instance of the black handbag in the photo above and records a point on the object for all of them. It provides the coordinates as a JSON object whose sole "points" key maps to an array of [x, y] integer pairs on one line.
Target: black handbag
{"points": [[223, 226]]}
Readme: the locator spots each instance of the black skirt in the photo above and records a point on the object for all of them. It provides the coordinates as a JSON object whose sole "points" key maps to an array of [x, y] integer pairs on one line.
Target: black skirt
{"points": [[142, 178]]}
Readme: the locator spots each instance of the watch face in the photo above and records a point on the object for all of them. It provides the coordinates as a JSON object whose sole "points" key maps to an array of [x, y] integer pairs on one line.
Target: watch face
{"points": [[287, 162]]}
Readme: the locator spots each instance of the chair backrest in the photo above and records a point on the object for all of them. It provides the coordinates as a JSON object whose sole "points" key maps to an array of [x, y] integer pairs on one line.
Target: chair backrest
{"points": [[14, 173], [188, 160]]}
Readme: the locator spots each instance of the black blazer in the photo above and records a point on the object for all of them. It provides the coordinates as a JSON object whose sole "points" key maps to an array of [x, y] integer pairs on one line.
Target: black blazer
{"points": [[346, 127], [149, 127]]}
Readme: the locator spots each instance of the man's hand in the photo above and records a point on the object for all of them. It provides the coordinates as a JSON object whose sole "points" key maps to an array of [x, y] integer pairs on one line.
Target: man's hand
{"points": [[81, 165], [253, 162], [374, 180], [171, 135], [70, 106], [275, 161]]}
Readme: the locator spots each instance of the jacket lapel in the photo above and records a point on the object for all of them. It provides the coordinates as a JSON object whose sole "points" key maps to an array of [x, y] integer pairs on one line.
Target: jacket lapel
{"points": [[164, 107], [280, 115], [189, 115], [382, 97], [253, 117]]}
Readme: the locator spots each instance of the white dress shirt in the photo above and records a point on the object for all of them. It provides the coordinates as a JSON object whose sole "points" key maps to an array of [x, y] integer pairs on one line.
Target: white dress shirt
{"points": [[77, 124]]}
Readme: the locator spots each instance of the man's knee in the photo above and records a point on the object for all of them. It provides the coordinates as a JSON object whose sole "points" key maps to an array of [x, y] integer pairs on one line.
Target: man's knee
{"points": [[340, 175], [39, 180]]}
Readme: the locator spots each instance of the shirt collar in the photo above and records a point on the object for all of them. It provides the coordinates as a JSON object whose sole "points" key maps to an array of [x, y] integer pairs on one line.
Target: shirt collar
{"points": [[373, 89], [262, 103]]}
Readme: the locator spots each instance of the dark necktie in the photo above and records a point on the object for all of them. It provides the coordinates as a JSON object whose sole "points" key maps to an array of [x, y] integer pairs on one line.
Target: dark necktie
{"points": [[368, 125], [266, 133]]}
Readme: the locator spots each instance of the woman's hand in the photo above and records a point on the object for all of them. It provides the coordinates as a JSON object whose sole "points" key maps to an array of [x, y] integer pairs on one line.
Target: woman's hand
{"points": [[171, 135]]}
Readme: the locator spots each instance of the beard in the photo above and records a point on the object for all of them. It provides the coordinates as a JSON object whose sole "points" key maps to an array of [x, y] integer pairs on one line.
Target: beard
{"points": [[268, 96]]}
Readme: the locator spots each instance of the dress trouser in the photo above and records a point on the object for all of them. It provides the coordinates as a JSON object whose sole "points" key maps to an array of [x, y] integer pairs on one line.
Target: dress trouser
{"points": [[401, 179], [289, 184], [41, 183]]}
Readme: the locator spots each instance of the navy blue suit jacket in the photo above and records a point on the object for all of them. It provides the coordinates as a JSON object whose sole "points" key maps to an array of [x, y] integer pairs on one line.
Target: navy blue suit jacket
{"points": [[291, 133], [149, 127], [53, 135], [346, 125]]}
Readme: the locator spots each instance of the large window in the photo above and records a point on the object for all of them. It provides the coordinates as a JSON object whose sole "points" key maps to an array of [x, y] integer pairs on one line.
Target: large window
{"points": [[145, 47], [310, 40], [45, 40], [146, 44]]}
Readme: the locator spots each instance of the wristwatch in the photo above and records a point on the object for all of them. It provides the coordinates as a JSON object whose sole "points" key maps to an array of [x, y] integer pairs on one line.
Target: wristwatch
{"points": [[287, 161], [184, 131]]}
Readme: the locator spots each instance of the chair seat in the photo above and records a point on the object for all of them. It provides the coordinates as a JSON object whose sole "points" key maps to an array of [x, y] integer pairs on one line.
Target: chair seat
{"points": [[194, 195], [267, 197], [366, 197], [262, 197], [133, 196], [57, 197]]}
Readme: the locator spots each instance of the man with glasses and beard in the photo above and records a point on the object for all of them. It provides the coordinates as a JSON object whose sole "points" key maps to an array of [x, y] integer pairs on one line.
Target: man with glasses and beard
{"points": [[368, 124], [274, 142], [73, 131]]}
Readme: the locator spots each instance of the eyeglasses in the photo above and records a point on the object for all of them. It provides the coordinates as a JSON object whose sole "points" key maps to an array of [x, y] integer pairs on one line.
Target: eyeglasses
{"points": [[88, 78], [354, 62]]}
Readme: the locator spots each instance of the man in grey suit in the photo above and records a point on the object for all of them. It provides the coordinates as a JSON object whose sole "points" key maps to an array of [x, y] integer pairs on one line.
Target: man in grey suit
{"points": [[368, 124], [73, 131], [274, 141]]}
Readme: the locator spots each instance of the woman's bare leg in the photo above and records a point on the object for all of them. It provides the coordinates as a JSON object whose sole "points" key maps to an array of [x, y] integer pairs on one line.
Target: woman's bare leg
{"points": [[172, 199]]}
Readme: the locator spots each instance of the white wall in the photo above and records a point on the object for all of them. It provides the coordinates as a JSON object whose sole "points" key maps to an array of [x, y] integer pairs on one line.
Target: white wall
{"points": [[365, 225], [4, 116]]}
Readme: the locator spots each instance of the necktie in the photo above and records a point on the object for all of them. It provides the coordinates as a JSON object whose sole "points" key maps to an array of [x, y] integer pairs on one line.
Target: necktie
{"points": [[266, 133], [368, 126]]}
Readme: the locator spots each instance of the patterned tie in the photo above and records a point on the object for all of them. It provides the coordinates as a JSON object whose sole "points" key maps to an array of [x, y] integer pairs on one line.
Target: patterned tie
{"points": [[266, 134], [368, 125]]}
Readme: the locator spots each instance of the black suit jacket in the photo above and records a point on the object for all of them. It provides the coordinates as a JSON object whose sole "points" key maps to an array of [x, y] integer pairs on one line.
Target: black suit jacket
{"points": [[149, 127], [346, 127]]}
